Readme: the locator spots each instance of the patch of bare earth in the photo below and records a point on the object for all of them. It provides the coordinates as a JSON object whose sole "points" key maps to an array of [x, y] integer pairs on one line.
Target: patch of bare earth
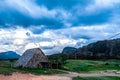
{"points": [[21, 76]]}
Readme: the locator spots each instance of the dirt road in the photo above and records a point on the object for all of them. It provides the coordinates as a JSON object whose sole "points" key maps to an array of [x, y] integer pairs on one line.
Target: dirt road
{"points": [[74, 74], [21, 76], [66, 76]]}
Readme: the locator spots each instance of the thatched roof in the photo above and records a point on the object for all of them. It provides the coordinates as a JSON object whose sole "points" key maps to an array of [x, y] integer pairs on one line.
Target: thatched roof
{"points": [[31, 58]]}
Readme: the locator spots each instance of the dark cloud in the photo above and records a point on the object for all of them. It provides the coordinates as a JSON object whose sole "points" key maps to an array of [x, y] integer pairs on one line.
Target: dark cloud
{"points": [[47, 47], [93, 19], [15, 17], [12, 16], [81, 37], [65, 4]]}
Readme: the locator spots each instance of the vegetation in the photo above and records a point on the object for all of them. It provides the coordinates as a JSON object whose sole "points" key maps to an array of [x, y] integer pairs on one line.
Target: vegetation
{"points": [[98, 78], [91, 66], [71, 65], [6, 69], [59, 58]]}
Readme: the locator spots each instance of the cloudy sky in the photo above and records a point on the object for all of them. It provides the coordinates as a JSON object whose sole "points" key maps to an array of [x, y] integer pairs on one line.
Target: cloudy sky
{"points": [[54, 24]]}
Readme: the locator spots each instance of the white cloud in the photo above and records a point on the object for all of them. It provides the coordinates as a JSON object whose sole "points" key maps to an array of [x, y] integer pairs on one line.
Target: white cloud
{"points": [[106, 3], [99, 5], [29, 7], [53, 41], [12, 38], [18, 42], [20, 33]]}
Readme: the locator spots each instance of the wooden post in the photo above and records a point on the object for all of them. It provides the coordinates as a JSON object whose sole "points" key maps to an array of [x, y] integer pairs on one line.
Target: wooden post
{"points": [[51, 65], [57, 65]]}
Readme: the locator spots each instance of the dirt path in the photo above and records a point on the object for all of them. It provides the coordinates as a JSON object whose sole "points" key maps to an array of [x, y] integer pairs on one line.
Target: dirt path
{"points": [[66, 76], [21, 76], [74, 74]]}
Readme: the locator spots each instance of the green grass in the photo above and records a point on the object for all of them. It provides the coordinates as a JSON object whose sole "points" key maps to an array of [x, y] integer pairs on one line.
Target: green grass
{"points": [[98, 78], [6, 69], [71, 65], [91, 65], [37, 71]]}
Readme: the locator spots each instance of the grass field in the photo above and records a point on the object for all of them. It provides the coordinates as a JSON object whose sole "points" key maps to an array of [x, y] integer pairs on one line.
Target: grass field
{"points": [[71, 65], [91, 66], [97, 78], [6, 69]]}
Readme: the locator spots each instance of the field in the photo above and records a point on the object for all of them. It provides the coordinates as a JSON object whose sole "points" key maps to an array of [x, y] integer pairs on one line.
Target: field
{"points": [[79, 66], [7, 69], [91, 66], [97, 78]]}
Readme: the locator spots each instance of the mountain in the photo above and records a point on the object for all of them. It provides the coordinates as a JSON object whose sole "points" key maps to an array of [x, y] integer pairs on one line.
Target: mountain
{"points": [[69, 50], [9, 55], [105, 49]]}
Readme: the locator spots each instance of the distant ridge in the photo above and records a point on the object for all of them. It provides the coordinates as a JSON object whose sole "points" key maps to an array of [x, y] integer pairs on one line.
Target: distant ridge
{"points": [[69, 50], [105, 49], [9, 55]]}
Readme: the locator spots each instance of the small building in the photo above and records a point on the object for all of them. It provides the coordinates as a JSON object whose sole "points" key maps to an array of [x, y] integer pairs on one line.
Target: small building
{"points": [[33, 58]]}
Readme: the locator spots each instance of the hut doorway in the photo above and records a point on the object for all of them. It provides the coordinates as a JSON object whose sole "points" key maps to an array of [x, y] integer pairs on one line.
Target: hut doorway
{"points": [[45, 64]]}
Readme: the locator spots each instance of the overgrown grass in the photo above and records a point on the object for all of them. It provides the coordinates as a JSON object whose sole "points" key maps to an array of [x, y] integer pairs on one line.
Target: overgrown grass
{"points": [[91, 65], [98, 78], [7, 69]]}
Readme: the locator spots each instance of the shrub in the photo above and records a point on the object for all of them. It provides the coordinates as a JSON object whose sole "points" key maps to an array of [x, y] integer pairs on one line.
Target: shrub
{"points": [[59, 58], [107, 64]]}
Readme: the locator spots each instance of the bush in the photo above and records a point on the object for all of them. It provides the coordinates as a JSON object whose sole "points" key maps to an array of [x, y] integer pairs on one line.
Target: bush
{"points": [[59, 58], [107, 64]]}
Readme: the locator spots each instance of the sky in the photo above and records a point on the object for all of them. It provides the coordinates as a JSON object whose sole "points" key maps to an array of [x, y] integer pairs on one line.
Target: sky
{"points": [[55, 24]]}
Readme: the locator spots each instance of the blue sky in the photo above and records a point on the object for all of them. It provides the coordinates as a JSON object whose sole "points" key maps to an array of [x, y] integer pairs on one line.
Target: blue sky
{"points": [[55, 24]]}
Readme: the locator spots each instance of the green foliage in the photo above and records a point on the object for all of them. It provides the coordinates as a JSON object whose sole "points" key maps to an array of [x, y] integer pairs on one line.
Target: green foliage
{"points": [[38, 71], [91, 65], [10, 70], [97, 78], [59, 58]]}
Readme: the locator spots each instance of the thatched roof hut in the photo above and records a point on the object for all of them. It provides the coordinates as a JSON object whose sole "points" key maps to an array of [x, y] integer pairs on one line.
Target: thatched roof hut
{"points": [[32, 58]]}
